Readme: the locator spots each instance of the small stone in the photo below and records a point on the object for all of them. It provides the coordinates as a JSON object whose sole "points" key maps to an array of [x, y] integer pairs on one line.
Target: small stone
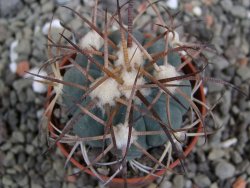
{"points": [[197, 11], [29, 149], [239, 11], [202, 180], [24, 47], [23, 182], [7, 181], [18, 137], [173, 4], [243, 72], [21, 84], [224, 170], [228, 143], [236, 157], [227, 5], [3, 32], [239, 183], [166, 184], [214, 185], [243, 61], [22, 68], [3, 132], [216, 154], [10, 8], [103, 171], [178, 181], [21, 158], [226, 105], [9, 160], [34, 185], [6, 146], [17, 149], [48, 7], [220, 62]]}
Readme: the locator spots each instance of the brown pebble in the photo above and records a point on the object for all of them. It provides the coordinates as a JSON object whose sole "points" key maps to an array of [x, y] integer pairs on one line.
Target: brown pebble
{"points": [[22, 68], [239, 183]]}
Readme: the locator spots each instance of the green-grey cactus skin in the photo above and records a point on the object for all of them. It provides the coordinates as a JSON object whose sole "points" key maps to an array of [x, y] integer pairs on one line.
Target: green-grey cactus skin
{"points": [[86, 126]]}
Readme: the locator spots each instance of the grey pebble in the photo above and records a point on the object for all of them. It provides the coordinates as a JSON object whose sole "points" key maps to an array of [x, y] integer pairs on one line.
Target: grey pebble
{"points": [[35, 185], [23, 180], [21, 84], [21, 158], [239, 11], [178, 181], [29, 149], [46, 166], [10, 8], [9, 160], [202, 180], [17, 148], [243, 72], [3, 32], [13, 119], [224, 170], [226, 105], [3, 132], [236, 157], [6, 146], [216, 154], [24, 47], [220, 62], [48, 6], [166, 184], [227, 5], [18, 137], [7, 180], [2, 88]]}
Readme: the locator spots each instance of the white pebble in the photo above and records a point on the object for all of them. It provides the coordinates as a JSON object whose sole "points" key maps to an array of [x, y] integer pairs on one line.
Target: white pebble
{"points": [[229, 142], [37, 86], [54, 24], [173, 4], [13, 67], [197, 11], [13, 56]]}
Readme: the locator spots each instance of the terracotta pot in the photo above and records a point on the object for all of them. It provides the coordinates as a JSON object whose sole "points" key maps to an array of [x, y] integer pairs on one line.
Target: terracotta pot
{"points": [[138, 181]]}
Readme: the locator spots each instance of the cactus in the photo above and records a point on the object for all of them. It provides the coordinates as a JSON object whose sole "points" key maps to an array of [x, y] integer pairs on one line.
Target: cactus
{"points": [[125, 94]]}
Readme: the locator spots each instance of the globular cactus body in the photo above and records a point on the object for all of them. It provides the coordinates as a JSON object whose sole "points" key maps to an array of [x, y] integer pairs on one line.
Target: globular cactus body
{"points": [[86, 126]]}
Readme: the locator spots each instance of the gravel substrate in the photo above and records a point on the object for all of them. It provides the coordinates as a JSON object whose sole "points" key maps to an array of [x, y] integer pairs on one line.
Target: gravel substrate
{"points": [[223, 161]]}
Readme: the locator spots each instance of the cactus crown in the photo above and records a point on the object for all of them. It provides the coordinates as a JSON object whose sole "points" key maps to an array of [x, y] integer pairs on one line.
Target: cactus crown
{"points": [[124, 93]]}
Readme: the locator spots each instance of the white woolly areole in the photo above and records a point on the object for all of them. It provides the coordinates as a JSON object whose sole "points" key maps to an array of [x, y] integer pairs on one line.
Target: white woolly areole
{"points": [[121, 132], [106, 92], [135, 56], [174, 39], [129, 79], [168, 71], [91, 39]]}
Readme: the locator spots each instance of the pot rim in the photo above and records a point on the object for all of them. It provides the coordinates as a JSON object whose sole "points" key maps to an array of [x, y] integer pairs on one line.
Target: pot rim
{"points": [[138, 180]]}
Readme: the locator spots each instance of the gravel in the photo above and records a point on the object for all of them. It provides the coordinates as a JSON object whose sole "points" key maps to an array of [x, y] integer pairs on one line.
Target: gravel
{"points": [[217, 163]]}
